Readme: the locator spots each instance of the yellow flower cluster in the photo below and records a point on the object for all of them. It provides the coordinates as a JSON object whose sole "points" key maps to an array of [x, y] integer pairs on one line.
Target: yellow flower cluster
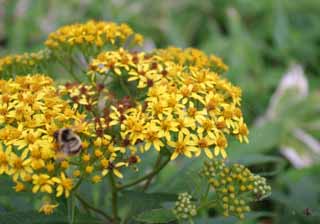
{"points": [[23, 63], [30, 113], [170, 99], [187, 108], [193, 57], [92, 33], [235, 186], [107, 152]]}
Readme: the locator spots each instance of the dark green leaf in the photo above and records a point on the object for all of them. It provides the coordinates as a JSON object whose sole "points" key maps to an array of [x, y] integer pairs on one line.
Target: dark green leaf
{"points": [[156, 216]]}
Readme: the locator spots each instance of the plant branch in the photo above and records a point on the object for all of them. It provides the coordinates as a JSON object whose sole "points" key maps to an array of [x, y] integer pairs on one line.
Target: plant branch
{"points": [[150, 175], [157, 163], [96, 210], [114, 197]]}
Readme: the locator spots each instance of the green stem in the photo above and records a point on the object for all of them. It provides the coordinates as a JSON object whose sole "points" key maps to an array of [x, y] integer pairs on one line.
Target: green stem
{"points": [[77, 184], [157, 163], [96, 210], [207, 204], [114, 197], [205, 196], [69, 70], [150, 175], [124, 86]]}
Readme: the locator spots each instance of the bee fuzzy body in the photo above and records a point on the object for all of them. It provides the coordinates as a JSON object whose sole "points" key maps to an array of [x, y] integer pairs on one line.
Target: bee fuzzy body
{"points": [[68, 142]]}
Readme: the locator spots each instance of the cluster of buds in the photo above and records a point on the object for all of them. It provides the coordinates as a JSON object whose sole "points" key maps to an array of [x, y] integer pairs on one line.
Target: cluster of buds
{"points": [[235, 186], [193, 57], [261, 188], [184, 207], [24, 63], [91, 37]]}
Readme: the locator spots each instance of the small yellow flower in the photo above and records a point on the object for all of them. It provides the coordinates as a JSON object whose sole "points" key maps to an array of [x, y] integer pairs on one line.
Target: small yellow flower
{"points": [[64, 185], [64, 164], [152, 137], [4, 160], [183, 145], [89, 169], [221, 144], [204, 143], [76, 173], [19, 187], [241, 131], [42, 182], [96, 179], [47, 208], [21, 166]]}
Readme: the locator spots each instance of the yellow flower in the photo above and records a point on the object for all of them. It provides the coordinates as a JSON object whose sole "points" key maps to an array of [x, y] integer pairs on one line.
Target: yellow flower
{"points": [[221, 144], [204, 143], [152, 137], [42, 182], [64, 185], [241, 131], [47, 208], [113, 166], [20, 165], [96, 179], [168, 125], [89, 169], [4, 160], [183, 145], [90, 33], [19, 187]]}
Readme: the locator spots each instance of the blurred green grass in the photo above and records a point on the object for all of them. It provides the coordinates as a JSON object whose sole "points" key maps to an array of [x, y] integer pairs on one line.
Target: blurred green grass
{"points": [[259, 40]]}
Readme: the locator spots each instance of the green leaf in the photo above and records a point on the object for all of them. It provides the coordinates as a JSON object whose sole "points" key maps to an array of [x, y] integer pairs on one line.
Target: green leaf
{"points": [[261, 139], [275, 163], [250, 216], [33, 217], [135, 202], [156, 216], [30, 217]]}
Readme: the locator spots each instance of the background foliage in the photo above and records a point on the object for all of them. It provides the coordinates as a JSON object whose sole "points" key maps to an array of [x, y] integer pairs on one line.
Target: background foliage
{"points": [[259, 40]]}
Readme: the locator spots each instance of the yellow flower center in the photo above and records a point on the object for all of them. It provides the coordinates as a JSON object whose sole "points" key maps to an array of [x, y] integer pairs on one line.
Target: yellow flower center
{"points": [[67, 184], [227, 114], [211, 105], [207, 125], [203, 143], [42, 180], [192, 111], [243, 130], [221, 124], [30, 138], [165, 125], [180, 147], [172, 102], [221, 142], [18, 164], [151, 135]]}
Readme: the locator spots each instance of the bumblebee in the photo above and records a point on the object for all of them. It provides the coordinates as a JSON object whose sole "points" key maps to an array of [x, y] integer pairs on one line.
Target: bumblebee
{"points": [[68, 142]]}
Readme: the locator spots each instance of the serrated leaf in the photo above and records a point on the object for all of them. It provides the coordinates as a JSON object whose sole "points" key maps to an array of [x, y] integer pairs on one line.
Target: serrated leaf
{"points": [[156, 216]]}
